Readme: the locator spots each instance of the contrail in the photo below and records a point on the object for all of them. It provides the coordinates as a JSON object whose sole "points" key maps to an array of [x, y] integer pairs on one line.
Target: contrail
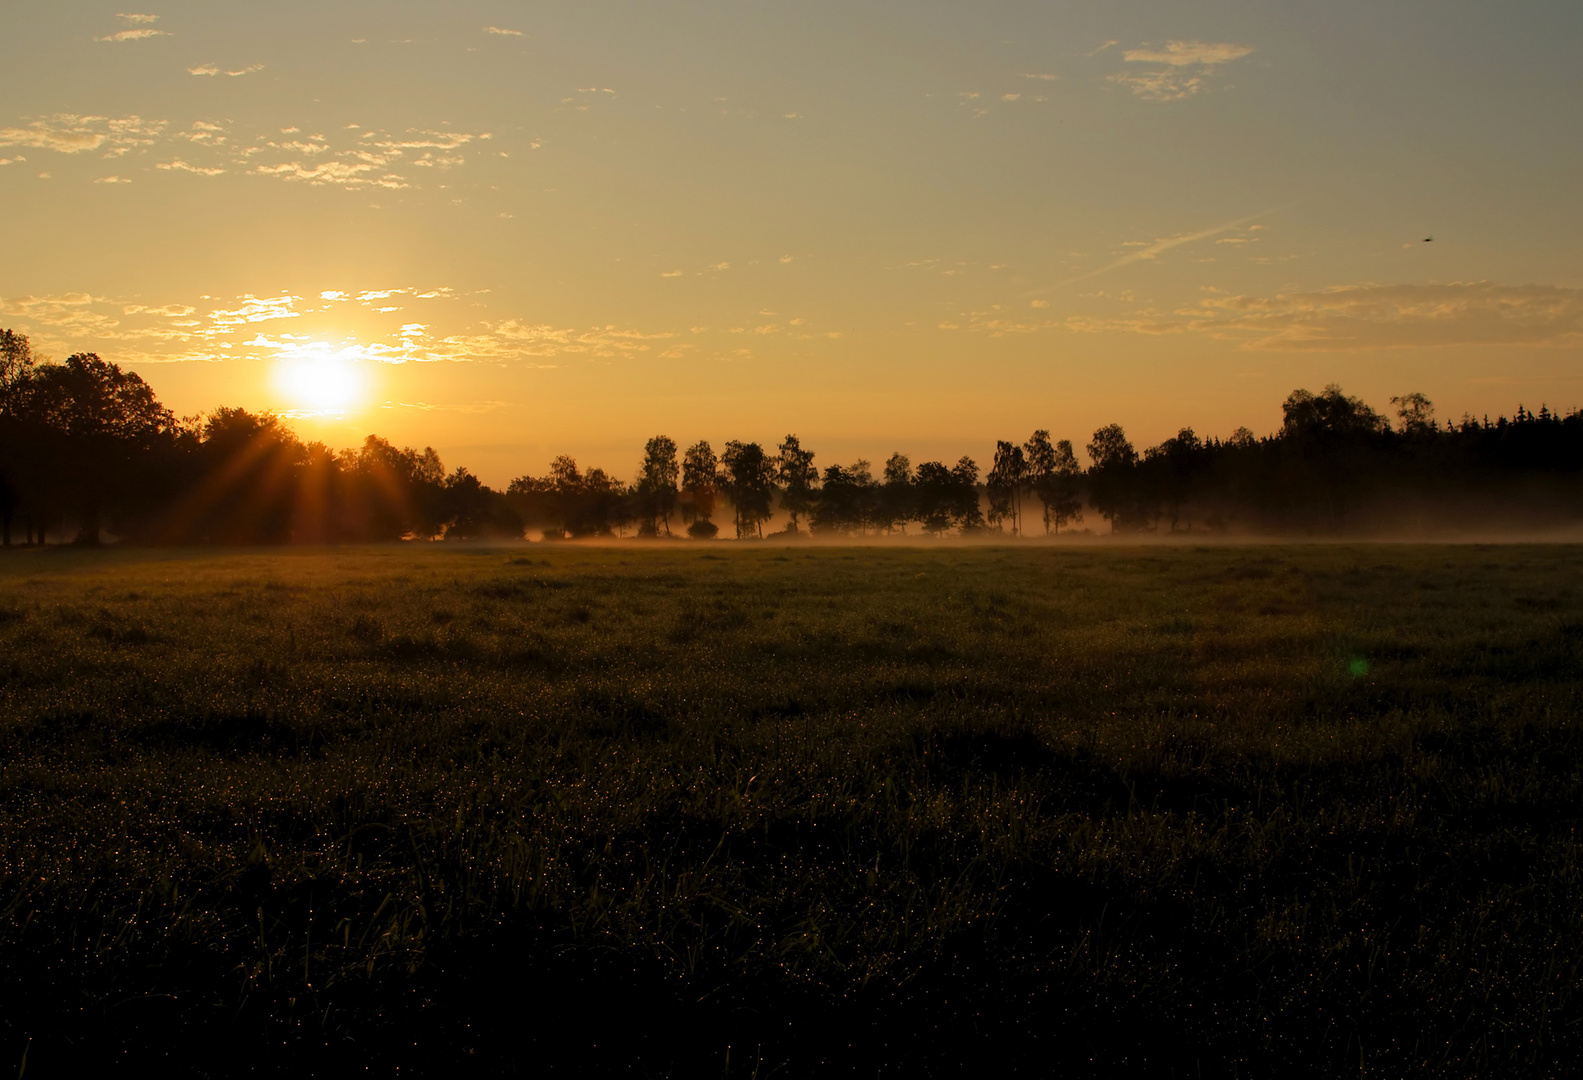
{"points": [[1151, 251]]}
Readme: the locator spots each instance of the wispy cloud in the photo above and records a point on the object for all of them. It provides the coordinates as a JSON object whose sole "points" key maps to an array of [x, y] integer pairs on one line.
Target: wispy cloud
{"points": [[1185, 53], [70, 312], [501, 30], [204, 133], [211, 69], [62, 321], [473, 407], [997, 320], [179, 165], [1350, 318], [337, 173], [1371, 316], [530, 339], [1186, 68], [354, 158], [141, 27], [369, 161], [69, 133], [511, 340], [1150, 250], [255, 310], [588, 97], [1167, 85], [166, 310], [133, 35]]}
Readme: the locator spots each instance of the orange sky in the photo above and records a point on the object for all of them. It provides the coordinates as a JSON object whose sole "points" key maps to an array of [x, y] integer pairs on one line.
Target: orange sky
{"points": [[513, 232]]}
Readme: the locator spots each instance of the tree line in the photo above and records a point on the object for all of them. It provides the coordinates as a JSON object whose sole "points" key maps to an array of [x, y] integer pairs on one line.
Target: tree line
{"points": [[88, 451]]}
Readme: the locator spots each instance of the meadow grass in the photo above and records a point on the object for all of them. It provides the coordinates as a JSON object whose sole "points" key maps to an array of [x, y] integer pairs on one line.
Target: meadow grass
{"points": [[753, 810]]}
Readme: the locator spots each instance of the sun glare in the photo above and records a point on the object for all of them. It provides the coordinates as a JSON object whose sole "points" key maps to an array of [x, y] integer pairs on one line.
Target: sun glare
{"points": [[319, 385]]}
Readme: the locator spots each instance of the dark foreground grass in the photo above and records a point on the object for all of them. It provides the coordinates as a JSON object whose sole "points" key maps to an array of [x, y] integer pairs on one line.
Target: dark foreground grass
{"points": [[673, 811]]}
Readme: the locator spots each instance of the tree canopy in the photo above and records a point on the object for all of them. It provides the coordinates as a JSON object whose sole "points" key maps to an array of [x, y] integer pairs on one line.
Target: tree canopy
{"points": [[88, 451]]}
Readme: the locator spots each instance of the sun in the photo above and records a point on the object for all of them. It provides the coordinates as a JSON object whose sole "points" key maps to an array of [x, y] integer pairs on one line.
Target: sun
{"points": [[319, 385]]}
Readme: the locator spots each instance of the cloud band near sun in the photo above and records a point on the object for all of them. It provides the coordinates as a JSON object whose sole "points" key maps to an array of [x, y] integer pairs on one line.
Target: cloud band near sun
{"points": [[394, 325]]}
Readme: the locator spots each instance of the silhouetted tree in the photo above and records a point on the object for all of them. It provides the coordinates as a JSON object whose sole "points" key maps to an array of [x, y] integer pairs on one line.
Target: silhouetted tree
{"points": [[699, 483], [569, 502], [656, 487], [966, 513], [1004, 485], [561, 504], [534, 499], [1112, 485], [948, 497], [794, 469], [934, 491], [848, 499], [1327, 442], [16, 381], [1065, 503], [466, 504], [1053, 473], [1415, 415], [621, 506], [1328, 418], [1172, 470], [387, 493], [747, 476], [603, 505], [16, 366], [474, 511], [566, 483], [1039, 453], [106, 419], [246, 491], [894, 507]]}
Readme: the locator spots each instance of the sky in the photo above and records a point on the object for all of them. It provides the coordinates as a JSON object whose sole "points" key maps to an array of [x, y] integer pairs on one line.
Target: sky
{"points": [[514, 230]]}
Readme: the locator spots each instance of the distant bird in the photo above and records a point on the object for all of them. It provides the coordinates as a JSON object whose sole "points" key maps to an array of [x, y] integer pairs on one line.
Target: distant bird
{"points": [[1429, 239]]}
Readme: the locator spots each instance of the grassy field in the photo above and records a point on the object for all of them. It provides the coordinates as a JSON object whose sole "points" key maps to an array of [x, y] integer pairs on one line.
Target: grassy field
{"points": [[720, 810]]}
